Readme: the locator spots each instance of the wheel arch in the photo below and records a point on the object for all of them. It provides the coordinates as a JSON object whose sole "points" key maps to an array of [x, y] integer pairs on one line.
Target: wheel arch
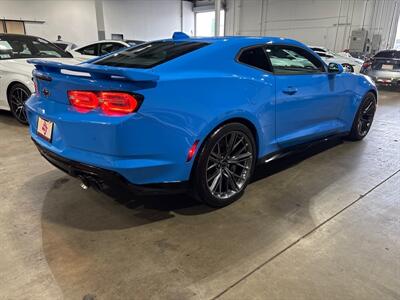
{"points": [[14, 82], [234, 119], [373, 91]]}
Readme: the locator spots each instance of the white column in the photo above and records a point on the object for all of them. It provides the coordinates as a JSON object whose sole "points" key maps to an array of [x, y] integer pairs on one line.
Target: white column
{"points": [[217, 16]]}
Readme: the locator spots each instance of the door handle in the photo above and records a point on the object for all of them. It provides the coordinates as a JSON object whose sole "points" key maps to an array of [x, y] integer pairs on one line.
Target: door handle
{"points": [[290, 90]]}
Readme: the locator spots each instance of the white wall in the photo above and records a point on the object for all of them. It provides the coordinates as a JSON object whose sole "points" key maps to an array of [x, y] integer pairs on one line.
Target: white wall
{"points": [[313, 21], [147, 19], [73, 20], [76, 20]]}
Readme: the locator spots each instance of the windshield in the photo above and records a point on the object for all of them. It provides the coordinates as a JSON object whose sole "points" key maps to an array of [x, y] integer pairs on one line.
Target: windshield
{"points": [[150, 54], [388, 54], [14, 47]]}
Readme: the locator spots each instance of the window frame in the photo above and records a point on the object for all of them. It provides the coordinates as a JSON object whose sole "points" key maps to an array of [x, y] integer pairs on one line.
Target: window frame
{"points": [[301, 48]]}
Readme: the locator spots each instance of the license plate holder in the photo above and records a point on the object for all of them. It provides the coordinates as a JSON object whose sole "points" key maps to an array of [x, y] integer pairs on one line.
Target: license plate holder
{"points": [[45, 129]]}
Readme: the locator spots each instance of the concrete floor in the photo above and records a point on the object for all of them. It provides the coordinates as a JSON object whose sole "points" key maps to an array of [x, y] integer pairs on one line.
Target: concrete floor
{"points": [[320, 225]]}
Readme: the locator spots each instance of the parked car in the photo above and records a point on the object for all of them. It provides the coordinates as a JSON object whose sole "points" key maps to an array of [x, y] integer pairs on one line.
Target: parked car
{"points": [[101, 48], [384, 68], [351, 64], [193, 113], [16, 83], [66, 46]]}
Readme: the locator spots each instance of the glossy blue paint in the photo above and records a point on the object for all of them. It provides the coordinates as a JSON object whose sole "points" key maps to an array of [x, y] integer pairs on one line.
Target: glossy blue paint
{"points": [[185, 99]]}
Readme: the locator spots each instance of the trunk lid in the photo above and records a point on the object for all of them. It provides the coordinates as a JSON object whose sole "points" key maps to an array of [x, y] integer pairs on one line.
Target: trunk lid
{"points": [[55, 79]]}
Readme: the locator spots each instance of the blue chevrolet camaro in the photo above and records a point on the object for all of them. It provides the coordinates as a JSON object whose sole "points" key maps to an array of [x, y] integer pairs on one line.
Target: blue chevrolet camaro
{"points": [[196, 113]]}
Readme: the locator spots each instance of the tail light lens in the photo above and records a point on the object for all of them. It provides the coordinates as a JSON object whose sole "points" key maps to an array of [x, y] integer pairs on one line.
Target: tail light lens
{"points": [[117, 103], [83, 99], [111, 103]]}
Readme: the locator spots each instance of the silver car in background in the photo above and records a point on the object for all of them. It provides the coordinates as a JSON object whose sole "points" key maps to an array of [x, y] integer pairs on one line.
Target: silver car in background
{"points": [[384, 68]]}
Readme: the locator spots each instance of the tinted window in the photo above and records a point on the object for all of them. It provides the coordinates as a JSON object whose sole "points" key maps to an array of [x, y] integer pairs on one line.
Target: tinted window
{"points": [[89, 50], [293, 60], [106, 48], [150, 54], [13, 47], [388, 54], [61, 45], [255, 57]]}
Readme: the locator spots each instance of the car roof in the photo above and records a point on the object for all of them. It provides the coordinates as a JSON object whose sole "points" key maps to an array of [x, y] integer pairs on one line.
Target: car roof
{"points": [[19, 35], [241, 40]]}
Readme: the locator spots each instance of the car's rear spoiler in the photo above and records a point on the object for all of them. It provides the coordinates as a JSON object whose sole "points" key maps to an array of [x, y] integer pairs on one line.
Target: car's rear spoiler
{"points": [[94, 71]]}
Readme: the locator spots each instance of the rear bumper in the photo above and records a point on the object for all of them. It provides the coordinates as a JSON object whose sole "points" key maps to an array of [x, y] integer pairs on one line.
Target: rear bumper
{"points": [[100, 178], [141, 148]]}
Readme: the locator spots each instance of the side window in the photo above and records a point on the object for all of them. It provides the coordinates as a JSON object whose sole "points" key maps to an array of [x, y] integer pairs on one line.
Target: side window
{"points": [[89, 50], [255, 57], [106, 48], [293, 60]]}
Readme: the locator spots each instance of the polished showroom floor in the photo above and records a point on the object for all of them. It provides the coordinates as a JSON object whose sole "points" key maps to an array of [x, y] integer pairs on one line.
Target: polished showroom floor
{"points": [[323, 224]]}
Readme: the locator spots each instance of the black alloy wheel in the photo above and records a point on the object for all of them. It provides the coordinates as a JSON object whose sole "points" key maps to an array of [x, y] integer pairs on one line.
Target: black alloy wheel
{"points": [[364, 118], [225, 165], [17, 96]]}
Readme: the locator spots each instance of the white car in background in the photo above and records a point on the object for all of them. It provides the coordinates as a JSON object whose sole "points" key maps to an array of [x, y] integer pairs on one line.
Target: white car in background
{"points": [[349, 63], [101, 48], [66, 46], [16, 83]]}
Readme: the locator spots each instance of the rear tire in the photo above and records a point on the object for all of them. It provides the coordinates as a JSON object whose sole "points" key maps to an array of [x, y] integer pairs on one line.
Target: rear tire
{"points": [[364, 118], [224, 165], [17, 96]]}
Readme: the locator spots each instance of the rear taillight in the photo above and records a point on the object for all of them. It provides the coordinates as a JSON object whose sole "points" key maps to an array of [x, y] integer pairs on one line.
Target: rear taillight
{"points": [[117, 103], [111, 103], [83, 99]]}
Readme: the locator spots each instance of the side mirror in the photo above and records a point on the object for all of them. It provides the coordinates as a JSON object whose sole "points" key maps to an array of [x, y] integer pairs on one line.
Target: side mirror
{"points": [[335, 68]]}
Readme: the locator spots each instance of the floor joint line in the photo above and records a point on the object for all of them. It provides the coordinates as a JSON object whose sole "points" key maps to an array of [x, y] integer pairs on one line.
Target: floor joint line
{"points": [[304, 236]]}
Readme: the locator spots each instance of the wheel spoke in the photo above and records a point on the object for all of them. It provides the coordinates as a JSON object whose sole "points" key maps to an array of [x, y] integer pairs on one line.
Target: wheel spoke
{"points": [[212, 166], [17, 102], [228, 165], [215, 181], [230, 143], [231, 180], [241, 157]]}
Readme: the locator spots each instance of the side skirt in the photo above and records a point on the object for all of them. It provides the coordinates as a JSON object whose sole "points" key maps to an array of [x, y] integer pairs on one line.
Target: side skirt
{"points": [[298, 148]]}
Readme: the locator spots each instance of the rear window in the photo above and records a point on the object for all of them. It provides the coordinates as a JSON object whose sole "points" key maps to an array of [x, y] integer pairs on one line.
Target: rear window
{"points": [[150, 55], [388, 54]]}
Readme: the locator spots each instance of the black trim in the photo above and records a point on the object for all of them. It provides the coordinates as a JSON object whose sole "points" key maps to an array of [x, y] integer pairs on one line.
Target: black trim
{"points": [[101, 178], [298, 148]]}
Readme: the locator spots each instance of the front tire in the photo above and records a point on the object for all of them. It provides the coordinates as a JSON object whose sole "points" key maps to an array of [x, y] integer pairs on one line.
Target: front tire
{"points": [[364, 118], [17, 96], [225, 165]]}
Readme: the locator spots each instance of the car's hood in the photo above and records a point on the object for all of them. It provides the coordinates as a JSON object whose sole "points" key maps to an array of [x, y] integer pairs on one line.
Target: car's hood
{"points": [[22, 66]]}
